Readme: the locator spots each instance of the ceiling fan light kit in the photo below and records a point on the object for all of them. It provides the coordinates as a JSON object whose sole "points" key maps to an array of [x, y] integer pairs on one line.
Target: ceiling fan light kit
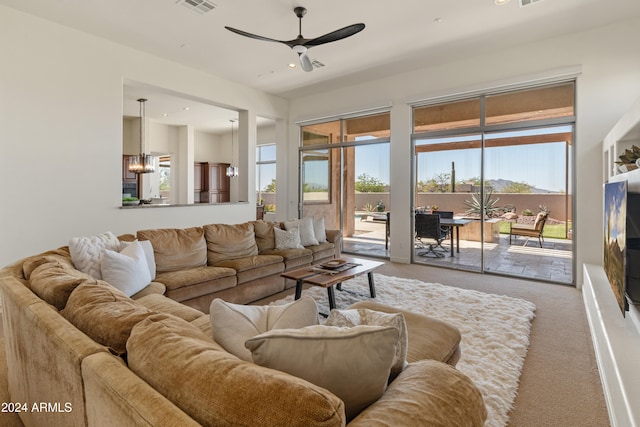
{"points": [[301, 45]]}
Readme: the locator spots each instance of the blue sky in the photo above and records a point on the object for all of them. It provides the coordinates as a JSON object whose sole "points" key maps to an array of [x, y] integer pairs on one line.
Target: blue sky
{"points": [[539, 165]]}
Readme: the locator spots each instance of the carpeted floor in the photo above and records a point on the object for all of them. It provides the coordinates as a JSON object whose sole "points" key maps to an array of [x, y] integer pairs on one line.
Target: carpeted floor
{"points": [[495, 329], [559, 384]]}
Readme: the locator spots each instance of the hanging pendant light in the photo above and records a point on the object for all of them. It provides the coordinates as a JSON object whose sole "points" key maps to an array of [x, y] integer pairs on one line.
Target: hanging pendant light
{"points": [[232, 171], [142, 163]]}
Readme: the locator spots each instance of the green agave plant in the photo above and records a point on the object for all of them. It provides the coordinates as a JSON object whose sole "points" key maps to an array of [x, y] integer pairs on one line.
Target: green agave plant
{"points": [[490, 205]]}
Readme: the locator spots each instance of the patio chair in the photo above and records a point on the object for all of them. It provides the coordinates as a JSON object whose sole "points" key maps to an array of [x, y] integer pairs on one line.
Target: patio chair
{"points": [[428, 227], [445, 215], [528, 231]]}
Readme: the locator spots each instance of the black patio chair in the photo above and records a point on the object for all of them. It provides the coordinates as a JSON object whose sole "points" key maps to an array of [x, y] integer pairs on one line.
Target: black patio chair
{"points": [[445, 215], [428, 227]]}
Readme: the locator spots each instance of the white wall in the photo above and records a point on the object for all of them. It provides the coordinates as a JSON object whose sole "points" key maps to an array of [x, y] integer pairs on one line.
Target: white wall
{"points": [[209, 147], [61, 140], [608, 84]]}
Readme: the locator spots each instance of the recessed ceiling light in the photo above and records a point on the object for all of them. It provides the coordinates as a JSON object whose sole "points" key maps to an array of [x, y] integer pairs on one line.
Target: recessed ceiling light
{"points": [[501, 2], [292, 65], [186, 108], [165, 115], [437, 20]]}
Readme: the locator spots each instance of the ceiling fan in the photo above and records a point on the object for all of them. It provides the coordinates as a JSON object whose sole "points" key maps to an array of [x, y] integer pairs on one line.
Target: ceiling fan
{"points": [[300, 44]]}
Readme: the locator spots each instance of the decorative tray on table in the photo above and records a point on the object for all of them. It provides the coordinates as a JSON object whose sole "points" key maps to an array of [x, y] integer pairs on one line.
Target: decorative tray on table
{"points": [[334, 264]]}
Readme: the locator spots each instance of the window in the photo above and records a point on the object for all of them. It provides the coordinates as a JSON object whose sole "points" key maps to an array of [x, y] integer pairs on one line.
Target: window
{"points": [[266, 176], [315, 176]]}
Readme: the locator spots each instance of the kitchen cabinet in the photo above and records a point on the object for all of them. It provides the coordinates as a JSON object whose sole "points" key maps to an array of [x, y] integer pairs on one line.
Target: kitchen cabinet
{"points": [[216, 184], [197, 182]]}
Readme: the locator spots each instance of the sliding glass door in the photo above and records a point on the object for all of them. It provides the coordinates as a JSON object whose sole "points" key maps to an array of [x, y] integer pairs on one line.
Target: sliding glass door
{"points": [[502, 164], [344, 178]]}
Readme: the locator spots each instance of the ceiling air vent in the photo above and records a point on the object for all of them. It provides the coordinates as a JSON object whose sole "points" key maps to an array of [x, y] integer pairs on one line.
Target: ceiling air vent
{"points": [[198, 6], [317, 64], [524, 3]]}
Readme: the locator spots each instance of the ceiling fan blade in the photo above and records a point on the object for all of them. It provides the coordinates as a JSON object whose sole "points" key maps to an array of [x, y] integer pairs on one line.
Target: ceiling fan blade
{"points": [[333, 36], [305, 62], [254, 36]]}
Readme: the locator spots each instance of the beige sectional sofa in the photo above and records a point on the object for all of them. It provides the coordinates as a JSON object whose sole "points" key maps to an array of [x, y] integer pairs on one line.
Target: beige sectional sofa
{"points": [[239, 263], [98, 357]]}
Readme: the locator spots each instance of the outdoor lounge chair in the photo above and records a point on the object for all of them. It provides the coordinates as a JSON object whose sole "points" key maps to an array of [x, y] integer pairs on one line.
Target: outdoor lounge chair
{"points": [[528, 231]]}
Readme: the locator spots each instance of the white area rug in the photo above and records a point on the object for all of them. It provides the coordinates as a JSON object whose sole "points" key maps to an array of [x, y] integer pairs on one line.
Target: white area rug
{"points": [[495, 329]]}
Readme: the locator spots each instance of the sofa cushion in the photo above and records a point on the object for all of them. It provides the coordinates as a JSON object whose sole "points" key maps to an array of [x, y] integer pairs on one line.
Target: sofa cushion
{"points": [[305, 226], [31, 263], [322, 251], [265, 238], [192, 276], [218, 389], [104, 313], [162, 304], [353, 363], [54, 280], [362, 316], [226, 242], [287, 239], [86, 252], [429, 338], [251, 262], [127, 270], [427, 393], [233, 324], [176, 248]]}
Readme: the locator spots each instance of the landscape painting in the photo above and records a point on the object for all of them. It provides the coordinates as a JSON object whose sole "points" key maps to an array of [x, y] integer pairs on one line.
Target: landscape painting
{"points": [[615, 219]]}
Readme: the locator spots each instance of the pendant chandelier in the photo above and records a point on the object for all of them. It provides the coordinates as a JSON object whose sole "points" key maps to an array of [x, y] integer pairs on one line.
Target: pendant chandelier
{"points": [[142, 163], [232, 171]]}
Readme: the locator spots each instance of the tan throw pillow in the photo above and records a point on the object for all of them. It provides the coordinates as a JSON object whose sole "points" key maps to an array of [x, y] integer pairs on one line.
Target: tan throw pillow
{"points": [[362, 316], [225, 242], [233, 324], [352, 363], [287, 239], [104, 313], [176, 248], [216, 388], [305, 225]]}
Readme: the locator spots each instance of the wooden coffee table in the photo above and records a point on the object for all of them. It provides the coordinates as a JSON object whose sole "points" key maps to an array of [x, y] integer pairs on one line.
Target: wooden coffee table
{"points": [[328, 279]]}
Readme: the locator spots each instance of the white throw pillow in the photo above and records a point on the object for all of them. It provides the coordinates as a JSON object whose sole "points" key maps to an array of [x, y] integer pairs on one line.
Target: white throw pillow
{"points": [[128, 270], [233, 324], [363, 316], [305, 225], [319, 230], [287, 239], [352, 363], [148, 253], [86, 252]]}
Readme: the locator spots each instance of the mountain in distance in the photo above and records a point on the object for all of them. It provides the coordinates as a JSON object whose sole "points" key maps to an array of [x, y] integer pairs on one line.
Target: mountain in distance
{"points": [[499, 184]]}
